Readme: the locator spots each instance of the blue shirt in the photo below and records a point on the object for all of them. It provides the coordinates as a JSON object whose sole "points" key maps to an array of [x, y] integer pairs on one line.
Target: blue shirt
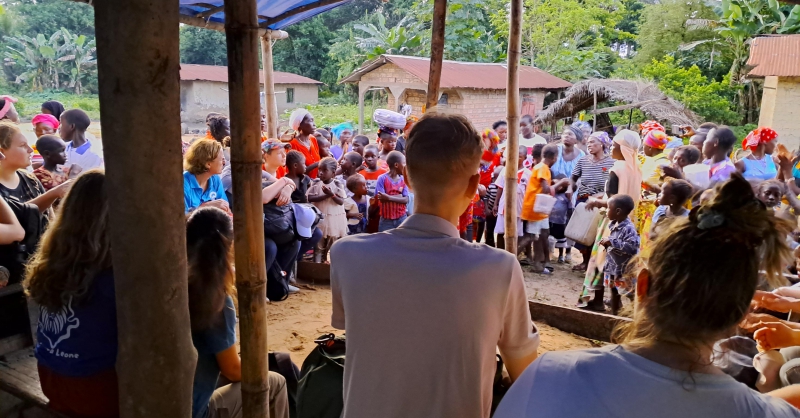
{"points": [[193, 194], [208, 343], [80, 340]]}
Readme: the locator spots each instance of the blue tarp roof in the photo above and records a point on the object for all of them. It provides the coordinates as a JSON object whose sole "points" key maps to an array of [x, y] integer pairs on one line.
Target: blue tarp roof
{"points": [[267, 9]]}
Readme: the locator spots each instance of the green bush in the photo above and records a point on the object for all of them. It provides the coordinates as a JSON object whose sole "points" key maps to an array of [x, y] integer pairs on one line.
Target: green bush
{"points": [[741, 132], [30, 104]]}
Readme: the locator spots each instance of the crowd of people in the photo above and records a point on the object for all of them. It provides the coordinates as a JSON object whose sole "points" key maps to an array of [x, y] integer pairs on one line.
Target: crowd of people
{"points": [[702, 256]]}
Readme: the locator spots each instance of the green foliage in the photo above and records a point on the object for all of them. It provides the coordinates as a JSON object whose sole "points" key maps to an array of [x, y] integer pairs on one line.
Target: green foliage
{"points": [[468, 33], [55, 62], [331, 114], [559, 34], [49, 16], [712, 100], [30, 104], [663, 28], [742, 131], [202, 46], [402, 39]]}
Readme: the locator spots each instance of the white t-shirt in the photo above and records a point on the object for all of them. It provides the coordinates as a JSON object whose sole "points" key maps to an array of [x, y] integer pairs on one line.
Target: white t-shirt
{"points": [[524, 175], [612, 382], [530, 142], [83, 156]]}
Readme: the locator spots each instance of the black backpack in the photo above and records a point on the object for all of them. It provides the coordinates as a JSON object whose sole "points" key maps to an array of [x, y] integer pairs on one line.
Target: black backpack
{"points": [[282, 364], [320, 391], [277, 283], [14, 256]]}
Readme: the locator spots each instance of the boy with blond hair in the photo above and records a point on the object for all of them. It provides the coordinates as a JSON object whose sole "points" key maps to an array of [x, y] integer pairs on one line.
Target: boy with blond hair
{"points": [[424, 326]]}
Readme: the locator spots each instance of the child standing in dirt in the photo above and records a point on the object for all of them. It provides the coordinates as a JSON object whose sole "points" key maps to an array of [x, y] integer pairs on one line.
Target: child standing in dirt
{"points": [[328, 195], [371, 174], [537, 226], [357, 205], [621, 245], [392, 192], [475, 293]]}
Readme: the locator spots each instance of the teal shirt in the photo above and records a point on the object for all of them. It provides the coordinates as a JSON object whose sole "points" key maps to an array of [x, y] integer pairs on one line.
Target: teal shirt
{"points": [[193, 194]]}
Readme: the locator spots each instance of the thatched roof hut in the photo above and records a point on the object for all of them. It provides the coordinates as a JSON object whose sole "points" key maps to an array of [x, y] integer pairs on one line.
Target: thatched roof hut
{"points": [[629, 94]]}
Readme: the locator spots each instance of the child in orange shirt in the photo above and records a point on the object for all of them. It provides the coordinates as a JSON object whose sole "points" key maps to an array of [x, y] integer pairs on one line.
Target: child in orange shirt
{"points": [[537, 225], [371, 174]]}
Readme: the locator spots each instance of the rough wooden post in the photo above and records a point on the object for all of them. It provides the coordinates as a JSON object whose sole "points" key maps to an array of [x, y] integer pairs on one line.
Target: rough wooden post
{"points": [[138, 66], [362, 90], [437, 53], [270, 102], [594, 112], [241, 31], [512, 97]]}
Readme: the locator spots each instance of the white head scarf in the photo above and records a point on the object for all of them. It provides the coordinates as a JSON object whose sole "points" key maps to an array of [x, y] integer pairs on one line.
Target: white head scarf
{"points": [[297, 117], [628, 171]]}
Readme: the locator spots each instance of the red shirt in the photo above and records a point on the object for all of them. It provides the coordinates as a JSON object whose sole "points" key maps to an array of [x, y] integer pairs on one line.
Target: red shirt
{"points": [[311, 154]]}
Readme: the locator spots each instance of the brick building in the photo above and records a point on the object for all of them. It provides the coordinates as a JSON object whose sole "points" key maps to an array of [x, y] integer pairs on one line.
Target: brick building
{"points": [[776, 59], [204, 89], [477, 90]]}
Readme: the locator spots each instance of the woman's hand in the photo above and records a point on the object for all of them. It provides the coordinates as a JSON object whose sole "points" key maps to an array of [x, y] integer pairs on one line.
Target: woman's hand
{"points": [[61, 190], [754, 321], [595, 203], [219, 204], [777, 303], [671, 171], [285, 197], [776, 335]]}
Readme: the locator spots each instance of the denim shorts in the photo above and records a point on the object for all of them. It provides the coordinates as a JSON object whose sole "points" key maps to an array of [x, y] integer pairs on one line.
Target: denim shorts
{"points": [[387, 224]]}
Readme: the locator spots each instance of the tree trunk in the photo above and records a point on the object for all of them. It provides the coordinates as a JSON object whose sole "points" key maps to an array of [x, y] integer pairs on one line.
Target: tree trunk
{"points": [[437, 53], [138, 67], [242, 35], [512, 99]]}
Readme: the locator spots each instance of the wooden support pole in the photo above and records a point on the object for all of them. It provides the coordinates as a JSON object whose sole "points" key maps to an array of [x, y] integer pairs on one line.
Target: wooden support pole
{"points": [[241, 29], [512, 97], [437, 53], [361, 92], [270, 102], [138, 67], [594, 112]]}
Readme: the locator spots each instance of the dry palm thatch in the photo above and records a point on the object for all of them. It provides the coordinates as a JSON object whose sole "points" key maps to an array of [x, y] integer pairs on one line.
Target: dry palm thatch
{"points": [[643, 95]]}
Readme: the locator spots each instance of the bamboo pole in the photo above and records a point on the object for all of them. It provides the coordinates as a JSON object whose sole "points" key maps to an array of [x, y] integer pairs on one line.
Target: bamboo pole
{"points": [[241, 29], [138, 66], [594, 112], [512, 97], [437, 53], [270, 101]]}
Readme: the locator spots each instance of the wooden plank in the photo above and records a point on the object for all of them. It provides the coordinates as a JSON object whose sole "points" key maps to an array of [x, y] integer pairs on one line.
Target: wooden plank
{"points": [[241, 33], [622, 107], [270, 102], [11, 289], [588, 324], [513, 117], [314, 272], [16, 379], [437, 53], [14, 343]]}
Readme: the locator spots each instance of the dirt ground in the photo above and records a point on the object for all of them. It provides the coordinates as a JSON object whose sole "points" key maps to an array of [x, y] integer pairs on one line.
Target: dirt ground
{"points": [[295, 323], [560, 288]]}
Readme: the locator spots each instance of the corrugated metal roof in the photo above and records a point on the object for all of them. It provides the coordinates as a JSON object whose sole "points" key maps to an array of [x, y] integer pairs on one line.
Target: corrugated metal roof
{"points": [[267, 10], [471, 75], [776, 55], [218, 73]]}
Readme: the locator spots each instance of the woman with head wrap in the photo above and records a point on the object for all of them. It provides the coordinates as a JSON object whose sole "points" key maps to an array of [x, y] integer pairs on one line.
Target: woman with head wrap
{"points": [[7, 109], [303, 140], [625, 178], [44, 124], [568, 153], [655, 145], [343, 133], [761, 164], [54, 108], [586, 129], [592, 172], [649, 126]]}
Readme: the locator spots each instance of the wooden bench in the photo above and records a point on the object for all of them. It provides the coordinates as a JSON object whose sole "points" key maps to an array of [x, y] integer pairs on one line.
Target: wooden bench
{"points": [[19, 377]]}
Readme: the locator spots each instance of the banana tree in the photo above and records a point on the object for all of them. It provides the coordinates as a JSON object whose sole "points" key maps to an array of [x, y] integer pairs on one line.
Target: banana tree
{"points": [[738, 22], [78, 56], [402, 39], [37, 58]]}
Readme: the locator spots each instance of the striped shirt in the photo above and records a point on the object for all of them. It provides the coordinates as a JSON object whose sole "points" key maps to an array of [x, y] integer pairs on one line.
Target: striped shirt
{"points": [[385, 184], [593, 175]]}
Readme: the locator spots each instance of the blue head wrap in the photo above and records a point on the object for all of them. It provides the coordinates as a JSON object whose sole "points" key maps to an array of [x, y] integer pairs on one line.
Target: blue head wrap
{"points": [[338, 129]]}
